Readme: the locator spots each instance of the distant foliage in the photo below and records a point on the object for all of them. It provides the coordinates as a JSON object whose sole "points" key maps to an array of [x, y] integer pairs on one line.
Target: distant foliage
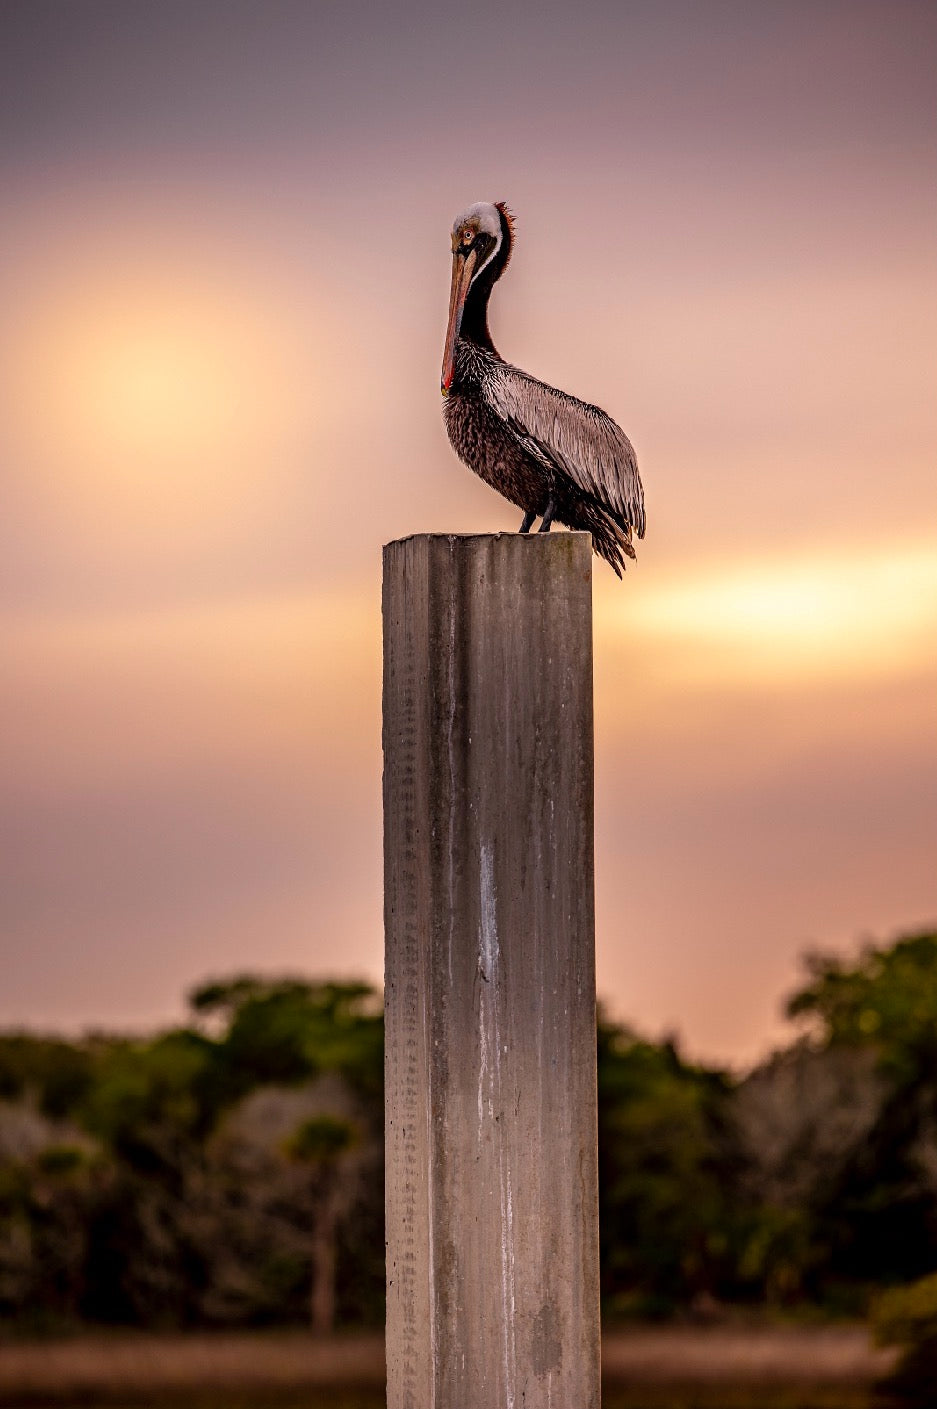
{"points": [[320, 1139], [662, 1134], [229, 1171], [876, 1207], [886, 1000], [137, 1184], [54, 1074], [907, 1317]]}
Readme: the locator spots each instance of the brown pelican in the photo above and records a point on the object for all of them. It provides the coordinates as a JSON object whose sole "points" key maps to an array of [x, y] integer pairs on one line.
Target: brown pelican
{"points": [[550, 454]]}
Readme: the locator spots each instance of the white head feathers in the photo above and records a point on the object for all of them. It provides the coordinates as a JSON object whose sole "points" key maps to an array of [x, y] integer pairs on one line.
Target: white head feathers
{"points": [[487, 218]]}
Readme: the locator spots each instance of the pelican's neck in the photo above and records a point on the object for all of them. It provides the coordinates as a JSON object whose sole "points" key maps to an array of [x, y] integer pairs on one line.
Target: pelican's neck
{"points": [[474, 327], [475, 315]]}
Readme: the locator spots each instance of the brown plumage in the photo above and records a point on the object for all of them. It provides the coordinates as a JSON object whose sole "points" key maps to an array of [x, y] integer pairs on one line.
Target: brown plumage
{"points": [[552, 455]]}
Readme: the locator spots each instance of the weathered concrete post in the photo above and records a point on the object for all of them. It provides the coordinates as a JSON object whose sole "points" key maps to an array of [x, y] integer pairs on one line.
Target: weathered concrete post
{"points": [[492, 1217]]}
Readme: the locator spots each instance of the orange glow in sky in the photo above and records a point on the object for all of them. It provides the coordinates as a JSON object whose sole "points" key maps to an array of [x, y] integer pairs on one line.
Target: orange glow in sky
{"points": [[793, 619]]}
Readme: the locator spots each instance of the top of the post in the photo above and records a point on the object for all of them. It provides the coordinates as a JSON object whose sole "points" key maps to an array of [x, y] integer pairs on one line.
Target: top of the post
{"points": [[522, 553], [537, 562], [544, 541], [508, 567]]}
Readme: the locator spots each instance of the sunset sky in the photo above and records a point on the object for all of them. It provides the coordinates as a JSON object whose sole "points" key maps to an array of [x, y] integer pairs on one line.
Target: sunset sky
{"points": [[224, 265]]}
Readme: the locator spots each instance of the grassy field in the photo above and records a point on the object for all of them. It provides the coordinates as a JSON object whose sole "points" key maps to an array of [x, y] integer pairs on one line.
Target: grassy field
{"points": [[650, 1368]]}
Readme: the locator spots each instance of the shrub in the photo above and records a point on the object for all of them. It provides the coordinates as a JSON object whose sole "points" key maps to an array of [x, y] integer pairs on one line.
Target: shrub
{"points": [[907, 1317]]}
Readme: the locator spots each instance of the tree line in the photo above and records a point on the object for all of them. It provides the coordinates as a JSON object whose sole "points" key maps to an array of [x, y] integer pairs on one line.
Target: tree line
{"points": [[229, 1171]]}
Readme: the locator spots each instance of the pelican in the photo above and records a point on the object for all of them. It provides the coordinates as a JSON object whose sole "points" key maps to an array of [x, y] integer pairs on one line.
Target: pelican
{"points": [[555, 457]]}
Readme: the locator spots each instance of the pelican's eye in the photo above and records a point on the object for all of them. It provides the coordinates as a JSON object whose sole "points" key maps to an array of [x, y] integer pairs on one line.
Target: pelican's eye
{"points": [[468, 236]]}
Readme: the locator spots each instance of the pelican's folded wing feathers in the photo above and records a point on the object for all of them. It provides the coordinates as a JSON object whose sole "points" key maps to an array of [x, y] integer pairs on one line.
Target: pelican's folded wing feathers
{"points": [[578, 439]]}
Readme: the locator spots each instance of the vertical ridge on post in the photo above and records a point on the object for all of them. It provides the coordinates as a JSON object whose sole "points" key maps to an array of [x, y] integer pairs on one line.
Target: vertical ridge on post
{"points": [[492, 1221]]}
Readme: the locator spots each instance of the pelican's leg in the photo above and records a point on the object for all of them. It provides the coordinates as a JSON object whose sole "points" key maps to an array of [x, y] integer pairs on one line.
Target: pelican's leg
{"points": [[548, 516], [528, 520]]}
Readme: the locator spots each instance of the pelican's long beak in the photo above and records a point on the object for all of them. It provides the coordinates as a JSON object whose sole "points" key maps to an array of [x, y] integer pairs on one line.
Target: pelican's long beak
{"points": [[463, 267]]}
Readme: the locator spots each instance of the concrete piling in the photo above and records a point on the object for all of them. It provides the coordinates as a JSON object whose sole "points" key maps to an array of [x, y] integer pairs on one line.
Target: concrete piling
{"points": [[492, 1213]]}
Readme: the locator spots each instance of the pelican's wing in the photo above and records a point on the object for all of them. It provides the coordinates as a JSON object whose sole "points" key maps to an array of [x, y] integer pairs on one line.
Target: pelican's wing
{"points": [[571, 436]]}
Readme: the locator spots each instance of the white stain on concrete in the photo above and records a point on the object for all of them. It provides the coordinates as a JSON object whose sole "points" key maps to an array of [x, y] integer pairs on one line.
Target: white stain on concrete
{"points": [[491, 1105]]}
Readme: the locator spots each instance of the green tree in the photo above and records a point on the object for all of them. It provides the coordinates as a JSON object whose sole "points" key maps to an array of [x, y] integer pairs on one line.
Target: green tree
{"points": [[287, 1030], [907, 1317], [665, 1160], [54, 1073], [292, 1031], [879, 1217], [150, 1098], [887, 998], [325, 1145]]}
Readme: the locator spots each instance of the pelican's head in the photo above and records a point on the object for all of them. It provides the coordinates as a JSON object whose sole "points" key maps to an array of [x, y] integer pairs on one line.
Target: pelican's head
{"points": [[481, 242]]}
